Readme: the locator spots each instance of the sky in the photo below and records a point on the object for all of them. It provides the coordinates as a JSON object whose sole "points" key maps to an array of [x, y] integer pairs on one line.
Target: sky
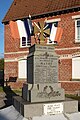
{"points": [[4, 6]]}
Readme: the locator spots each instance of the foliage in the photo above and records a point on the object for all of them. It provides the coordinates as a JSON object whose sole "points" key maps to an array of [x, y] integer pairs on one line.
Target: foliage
{"points": [[1, 64], [1, 89]]}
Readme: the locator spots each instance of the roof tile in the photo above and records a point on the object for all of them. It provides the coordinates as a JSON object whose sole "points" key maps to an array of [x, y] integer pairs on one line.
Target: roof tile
{"points": [[22, 8]]}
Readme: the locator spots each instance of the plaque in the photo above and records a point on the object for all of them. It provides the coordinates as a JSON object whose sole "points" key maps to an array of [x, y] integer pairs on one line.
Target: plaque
{"points": [[52, 109]]}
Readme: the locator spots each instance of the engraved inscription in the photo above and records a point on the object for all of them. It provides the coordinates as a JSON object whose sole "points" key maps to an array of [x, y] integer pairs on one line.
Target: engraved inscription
{"points": [[50, 109], [46, 68]]}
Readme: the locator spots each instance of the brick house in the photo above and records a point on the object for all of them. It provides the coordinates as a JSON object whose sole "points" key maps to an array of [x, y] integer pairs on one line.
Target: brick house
{"points": [[43, 22]]}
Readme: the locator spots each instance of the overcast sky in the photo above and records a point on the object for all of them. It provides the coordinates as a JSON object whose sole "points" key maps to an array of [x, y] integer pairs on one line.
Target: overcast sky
{"points": [[4, 6]]}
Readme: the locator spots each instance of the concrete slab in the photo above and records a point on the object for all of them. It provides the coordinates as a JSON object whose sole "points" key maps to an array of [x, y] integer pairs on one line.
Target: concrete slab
{"points": [[10, 113], [74, 116], [28, 109], [52, 117]]}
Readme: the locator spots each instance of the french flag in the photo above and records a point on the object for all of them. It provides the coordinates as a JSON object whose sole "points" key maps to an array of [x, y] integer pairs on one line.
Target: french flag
{"points": [[55, 33], [21, 29]]}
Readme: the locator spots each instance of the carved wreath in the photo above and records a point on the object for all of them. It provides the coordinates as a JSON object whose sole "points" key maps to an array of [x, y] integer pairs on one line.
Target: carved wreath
{"points": [[50, 94]]}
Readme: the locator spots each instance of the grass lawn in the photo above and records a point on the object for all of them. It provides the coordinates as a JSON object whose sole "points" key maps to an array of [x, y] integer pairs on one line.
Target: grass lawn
{"points": [[73, 96], [8, 91]]}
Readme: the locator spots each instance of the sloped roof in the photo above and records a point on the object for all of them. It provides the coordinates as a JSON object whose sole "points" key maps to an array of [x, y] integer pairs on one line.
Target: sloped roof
{"points": [[22, 8]]}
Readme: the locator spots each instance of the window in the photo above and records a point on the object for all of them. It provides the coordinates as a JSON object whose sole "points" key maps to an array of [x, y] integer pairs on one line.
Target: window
{"points": [[77, 30], [23, 41]]}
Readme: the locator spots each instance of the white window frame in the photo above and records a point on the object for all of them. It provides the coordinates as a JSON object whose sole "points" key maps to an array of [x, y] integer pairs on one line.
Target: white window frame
{"points": [[53, 20], [76, 32], [21, 45]]}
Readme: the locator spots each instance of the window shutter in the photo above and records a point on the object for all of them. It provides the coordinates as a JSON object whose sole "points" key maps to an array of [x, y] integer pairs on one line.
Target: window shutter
{"points": [[22, 69], [76, 68]]}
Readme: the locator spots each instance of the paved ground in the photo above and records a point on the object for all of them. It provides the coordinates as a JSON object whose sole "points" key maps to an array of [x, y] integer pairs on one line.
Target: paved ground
{"points": [[7, 111], [10, 113], [6, 98], [74, 116]]}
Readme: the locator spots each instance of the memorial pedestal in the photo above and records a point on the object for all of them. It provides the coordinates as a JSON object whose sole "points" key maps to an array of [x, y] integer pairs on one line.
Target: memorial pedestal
{"points": [[42, 94], [42, 75]]}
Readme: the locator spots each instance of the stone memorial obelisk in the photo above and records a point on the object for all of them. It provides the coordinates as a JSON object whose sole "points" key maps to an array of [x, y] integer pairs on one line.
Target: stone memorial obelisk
{"points": [[42, 75], [42, 94]]}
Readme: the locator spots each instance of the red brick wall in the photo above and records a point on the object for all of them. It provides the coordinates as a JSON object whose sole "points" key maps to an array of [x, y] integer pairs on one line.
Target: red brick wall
{"points": [[12, 45], [67, 41], [65, 69], [71, 87], [10, 70]]}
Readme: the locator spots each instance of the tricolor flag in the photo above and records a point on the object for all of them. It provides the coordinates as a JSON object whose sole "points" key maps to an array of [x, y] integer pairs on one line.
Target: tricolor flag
{"points": [[22, 29], [55, 33]]}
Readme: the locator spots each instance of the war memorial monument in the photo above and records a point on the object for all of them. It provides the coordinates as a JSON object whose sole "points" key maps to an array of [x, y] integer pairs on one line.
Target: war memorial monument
{"points": [[42, 94]]}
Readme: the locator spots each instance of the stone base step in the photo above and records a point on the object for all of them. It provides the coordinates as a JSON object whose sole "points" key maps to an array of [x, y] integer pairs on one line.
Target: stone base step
{"points": [[28, 109]]}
